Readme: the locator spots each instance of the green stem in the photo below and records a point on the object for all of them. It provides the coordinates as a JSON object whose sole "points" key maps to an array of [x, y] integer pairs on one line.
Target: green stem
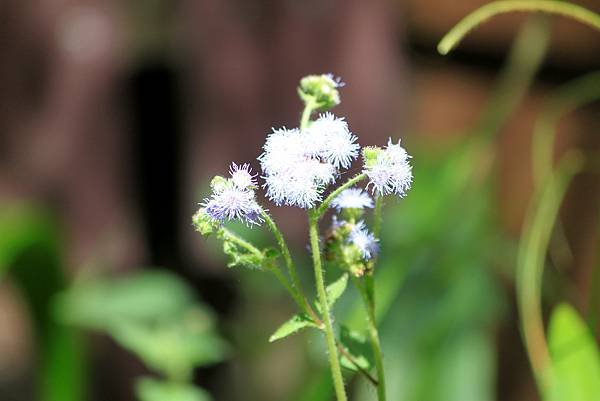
{"points": [[460, 30], [320, 211], [297, 292], [540, 219], [569, 97], [251, 248], [309, 107], [368, 299], [377, 216], [334, 363]]}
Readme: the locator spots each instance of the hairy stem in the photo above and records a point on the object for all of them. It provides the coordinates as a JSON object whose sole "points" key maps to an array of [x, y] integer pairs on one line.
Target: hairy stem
{"points": [[334, 363], [297, 292], [460, 30]]}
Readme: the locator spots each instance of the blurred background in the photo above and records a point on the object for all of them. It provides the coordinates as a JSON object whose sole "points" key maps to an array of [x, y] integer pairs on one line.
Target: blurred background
{"points": [[114, 115]]}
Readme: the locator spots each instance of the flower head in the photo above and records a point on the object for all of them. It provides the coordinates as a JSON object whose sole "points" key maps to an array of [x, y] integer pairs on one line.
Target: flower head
{"points": [[388, 169], [242, 177], [333, 141], [365, 241], [233, 198], [352, 198], [294, 173]]}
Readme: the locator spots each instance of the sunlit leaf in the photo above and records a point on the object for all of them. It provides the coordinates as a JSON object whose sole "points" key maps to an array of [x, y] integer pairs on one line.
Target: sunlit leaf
{"points": [[575, 358], [296, 323], [335, 291]]}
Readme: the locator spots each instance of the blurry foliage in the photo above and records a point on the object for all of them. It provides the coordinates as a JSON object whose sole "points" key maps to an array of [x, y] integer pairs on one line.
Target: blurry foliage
{"points": [[30, 251], [154, 315], [575, 357]]}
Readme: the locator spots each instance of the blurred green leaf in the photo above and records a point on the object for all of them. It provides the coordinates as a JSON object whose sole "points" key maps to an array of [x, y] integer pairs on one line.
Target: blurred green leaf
{"points": [[153, 390], [357, 346], [102, 304], [575, 357], [173, 348], [152, 314], [296, 323]]}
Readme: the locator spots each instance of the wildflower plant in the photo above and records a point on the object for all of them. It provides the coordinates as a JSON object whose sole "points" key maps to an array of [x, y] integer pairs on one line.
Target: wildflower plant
{"points": [[301, 167]]}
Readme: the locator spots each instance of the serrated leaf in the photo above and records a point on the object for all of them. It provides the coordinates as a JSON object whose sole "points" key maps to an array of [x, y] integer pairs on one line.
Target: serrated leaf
{"points": [[358, 348], [148, 389], [296, 323], [575, 357]]}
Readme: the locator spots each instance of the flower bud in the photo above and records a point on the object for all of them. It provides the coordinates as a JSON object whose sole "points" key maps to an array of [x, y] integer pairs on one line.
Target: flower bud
{"points": [[321, 89], [203, 223]]}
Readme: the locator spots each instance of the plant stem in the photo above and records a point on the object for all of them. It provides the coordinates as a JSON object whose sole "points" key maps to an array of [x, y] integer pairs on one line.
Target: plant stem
{"points": [[482, 14], [541, 216], [320, 211], [251, 248], [367, 293], [297, 293], [309, 107], [377, 216], [334, 363]]}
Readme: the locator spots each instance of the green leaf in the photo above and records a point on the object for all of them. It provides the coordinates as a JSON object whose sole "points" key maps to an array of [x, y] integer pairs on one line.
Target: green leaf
{"points": [[357, 346], [153, 390], [575, 358], [172, 348], [334, 291], [296, 323], [102, 304]]}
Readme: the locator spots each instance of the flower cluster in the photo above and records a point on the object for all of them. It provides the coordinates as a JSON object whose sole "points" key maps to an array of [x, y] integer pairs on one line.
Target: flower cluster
{"points": [[298, 165], [388, 169], [233, 198]]}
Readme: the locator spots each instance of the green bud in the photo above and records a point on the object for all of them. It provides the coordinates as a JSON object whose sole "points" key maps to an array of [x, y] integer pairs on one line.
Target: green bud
{"points": [[204, 224], [321, 89], [219, 184], [371, 154]]}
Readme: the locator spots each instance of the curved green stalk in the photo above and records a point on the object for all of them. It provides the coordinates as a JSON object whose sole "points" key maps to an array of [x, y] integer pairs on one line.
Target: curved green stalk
{"points": [[320, 211], [297, 292], [334, 362], [251, 248], [533, 246], [309, 107], [571, 96], [460, 30]]}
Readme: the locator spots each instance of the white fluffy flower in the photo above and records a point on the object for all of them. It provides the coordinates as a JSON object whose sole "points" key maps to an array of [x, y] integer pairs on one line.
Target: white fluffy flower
{"points": [[390, 171], [294, 174], [242, 176], [332, 140], [365, 241], [352, 198]]}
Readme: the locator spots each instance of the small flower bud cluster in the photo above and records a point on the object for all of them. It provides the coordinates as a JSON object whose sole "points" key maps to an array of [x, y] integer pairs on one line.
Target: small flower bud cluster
{"points": [[320, 90], [388, 169], [233, 198], [299, 165]]}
